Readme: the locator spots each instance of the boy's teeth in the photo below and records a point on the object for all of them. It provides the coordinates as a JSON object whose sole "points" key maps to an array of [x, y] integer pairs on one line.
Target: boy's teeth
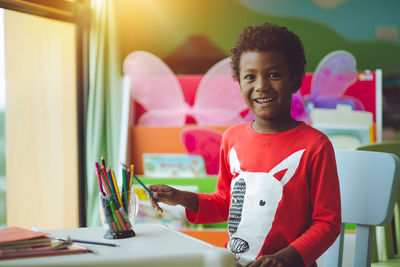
{"points": [[263, 100]]}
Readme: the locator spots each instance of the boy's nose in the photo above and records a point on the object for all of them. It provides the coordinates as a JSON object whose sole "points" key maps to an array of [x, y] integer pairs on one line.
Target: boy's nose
{"points": [[261, 84]]}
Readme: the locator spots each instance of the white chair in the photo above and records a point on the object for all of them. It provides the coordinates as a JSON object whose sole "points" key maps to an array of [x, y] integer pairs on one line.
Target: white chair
{"points": [[388, 238], [369, 183]]}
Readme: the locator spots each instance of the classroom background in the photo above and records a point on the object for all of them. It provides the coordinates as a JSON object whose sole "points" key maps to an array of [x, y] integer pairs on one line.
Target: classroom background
{"points": [[61, 110]]}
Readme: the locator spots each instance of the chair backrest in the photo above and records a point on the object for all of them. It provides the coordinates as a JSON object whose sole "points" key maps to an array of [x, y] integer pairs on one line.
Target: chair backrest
{"points": [[388, 146], [368, 185]]}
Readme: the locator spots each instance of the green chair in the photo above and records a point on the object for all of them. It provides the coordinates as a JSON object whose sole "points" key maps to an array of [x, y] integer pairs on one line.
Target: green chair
{"points": [[389, 240]]}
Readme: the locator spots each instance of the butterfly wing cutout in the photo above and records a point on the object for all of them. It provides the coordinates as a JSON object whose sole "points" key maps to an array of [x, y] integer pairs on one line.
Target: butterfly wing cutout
{"points": [[205, 142], [298, 109], [333, 75], [155, 87], [218, 99]]}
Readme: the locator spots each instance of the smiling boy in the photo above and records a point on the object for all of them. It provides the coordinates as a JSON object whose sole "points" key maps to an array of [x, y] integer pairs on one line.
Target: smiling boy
{"points": [[277, 183]]}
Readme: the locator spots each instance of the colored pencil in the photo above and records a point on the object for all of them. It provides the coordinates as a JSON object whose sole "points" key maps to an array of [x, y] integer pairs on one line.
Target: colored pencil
{"points": [[116, 188], [99, 178], [130, 182], [145, 187], [103, 162], [106, 186], [121, 220], [124, 194], [103, 169], [95, 242], [112, 186], [127, 177], [115, 226], [132, 167], [125, 217], [109, 213], [115, 216], [106, 212]]}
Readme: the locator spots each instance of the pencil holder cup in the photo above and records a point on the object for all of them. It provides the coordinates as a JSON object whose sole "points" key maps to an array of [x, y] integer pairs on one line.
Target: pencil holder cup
{"points": [[118, 214]]}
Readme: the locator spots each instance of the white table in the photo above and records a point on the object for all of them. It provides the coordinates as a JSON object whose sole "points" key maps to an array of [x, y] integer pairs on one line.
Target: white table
{"points": [[153, 245]]}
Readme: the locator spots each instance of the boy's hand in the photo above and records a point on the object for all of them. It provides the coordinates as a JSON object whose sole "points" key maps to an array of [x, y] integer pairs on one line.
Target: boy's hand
{"points": [[163, 193], [172, 196], [287, 257], [268, 261]]}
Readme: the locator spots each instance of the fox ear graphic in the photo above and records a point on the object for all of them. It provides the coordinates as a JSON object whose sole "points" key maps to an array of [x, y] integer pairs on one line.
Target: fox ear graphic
{"points": [[290, 164], [234, 162]]}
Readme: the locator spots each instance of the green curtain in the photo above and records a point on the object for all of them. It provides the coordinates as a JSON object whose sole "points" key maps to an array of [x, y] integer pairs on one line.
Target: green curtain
{"points": [[104, 102]]}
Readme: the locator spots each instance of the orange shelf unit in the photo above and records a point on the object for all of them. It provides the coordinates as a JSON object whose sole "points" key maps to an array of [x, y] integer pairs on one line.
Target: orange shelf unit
{"points": [[215, 237]]}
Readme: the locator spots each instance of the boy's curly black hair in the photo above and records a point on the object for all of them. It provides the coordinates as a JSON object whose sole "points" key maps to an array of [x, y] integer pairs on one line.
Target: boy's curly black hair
{"points": [[270, 37]]}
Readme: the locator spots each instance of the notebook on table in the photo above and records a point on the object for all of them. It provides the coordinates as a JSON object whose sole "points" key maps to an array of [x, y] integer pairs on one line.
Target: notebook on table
{"points": [[16, 242]]}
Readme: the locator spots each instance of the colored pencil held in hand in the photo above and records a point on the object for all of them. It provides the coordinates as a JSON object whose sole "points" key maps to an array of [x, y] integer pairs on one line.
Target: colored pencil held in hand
{"points": [[145, 187], [115, 200]]}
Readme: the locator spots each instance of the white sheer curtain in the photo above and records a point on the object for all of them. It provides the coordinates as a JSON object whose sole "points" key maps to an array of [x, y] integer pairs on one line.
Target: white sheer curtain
{"points": [[104, 103]]}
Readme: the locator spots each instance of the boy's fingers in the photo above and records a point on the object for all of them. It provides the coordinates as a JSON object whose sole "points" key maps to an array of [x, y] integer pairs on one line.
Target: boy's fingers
{"points": [[157, 187], [163, 196], [153, 187], [154, 204], [160, 191], [163, 193], [158, 208]]}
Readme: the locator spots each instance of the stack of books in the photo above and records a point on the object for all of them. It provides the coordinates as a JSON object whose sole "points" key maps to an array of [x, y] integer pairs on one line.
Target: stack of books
{"points": [[16, 242]]}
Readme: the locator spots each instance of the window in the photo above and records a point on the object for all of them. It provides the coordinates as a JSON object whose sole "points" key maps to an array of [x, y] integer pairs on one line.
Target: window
{"points": [[45, 81]]}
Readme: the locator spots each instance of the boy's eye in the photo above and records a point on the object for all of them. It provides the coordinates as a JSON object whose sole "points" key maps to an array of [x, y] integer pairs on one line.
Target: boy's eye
{"points": [[273, 75], [249, 77]]}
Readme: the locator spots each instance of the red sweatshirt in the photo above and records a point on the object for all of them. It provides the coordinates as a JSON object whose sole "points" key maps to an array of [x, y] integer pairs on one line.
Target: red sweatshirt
{"points": [[275, 190]]}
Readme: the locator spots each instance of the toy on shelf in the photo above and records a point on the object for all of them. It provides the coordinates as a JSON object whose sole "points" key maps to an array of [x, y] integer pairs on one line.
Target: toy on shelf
{"points": [[205, 142], [333, 75], [341, 117], [346, 128], [154, 86]]}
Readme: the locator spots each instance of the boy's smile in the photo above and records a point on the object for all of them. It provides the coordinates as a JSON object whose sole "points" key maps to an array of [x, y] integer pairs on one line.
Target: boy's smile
{"points": [[267, 87]]}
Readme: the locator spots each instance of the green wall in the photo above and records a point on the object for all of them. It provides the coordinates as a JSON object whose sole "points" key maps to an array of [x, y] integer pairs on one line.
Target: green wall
{"points": [[160, 26]]}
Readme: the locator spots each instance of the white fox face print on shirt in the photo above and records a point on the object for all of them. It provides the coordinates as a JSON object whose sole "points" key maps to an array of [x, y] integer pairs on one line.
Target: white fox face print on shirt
{"points": [[255, 199]]}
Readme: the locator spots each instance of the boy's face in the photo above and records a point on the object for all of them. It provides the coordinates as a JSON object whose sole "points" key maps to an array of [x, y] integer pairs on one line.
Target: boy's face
{"points": [[267, 85]]}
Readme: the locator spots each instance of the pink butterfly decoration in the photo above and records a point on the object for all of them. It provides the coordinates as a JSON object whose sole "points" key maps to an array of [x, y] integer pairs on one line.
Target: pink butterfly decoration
{"points": [[154, 86], [333, 75]]}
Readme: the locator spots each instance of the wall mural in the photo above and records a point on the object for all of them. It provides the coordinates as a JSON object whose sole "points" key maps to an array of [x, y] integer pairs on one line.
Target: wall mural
{"points": [[195, 55], [160, 27], [340, 15]]}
